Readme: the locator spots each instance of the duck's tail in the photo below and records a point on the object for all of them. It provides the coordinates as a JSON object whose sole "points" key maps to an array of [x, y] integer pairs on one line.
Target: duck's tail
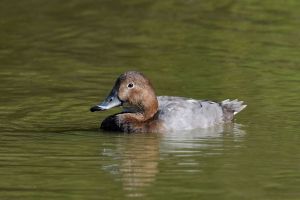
{"points": [[231, 108]]}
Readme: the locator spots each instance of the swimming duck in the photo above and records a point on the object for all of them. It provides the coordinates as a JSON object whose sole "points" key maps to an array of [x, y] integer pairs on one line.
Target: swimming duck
{"points": [[143, 111]]}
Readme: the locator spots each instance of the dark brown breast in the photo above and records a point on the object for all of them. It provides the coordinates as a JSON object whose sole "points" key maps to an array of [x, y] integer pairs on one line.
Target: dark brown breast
{"points": [[116, 124]]}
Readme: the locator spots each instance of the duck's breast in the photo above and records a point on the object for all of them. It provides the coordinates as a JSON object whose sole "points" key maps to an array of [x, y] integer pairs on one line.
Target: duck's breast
{"points": [[179, 113]]}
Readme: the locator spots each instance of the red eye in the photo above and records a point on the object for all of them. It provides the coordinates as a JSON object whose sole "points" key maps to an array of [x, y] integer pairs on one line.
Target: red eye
{"points": [[130, 85]]}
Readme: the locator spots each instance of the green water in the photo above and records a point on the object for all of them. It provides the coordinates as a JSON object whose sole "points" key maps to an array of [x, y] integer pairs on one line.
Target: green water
{"points": [[58, 58]]}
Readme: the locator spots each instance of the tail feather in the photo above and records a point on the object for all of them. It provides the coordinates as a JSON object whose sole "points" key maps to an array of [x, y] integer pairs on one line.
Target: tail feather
{"points": [[231, 108]]}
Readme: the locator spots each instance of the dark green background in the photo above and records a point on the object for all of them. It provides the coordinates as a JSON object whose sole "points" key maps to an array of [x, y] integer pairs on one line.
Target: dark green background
{"points": [[58, 58]]}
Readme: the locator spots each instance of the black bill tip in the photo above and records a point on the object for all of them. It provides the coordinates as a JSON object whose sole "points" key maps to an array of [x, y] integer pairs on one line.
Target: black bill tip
{"points": [[96, 108]]}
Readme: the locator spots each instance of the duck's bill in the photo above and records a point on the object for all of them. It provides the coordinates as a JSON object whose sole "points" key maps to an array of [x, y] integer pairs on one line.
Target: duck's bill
{"points": [[110, 102]]}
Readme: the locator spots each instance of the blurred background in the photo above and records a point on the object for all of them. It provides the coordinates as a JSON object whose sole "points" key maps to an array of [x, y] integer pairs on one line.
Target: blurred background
{"points": [[58, 58]]}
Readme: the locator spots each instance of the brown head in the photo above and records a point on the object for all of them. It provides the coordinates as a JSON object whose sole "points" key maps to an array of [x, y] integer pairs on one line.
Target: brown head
{"points": [[133, 89]]}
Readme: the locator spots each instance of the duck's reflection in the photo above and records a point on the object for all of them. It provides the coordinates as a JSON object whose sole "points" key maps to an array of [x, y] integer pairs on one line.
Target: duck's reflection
{"points": [[139, 164], [136, 157], [135, 161], [201, 138]]}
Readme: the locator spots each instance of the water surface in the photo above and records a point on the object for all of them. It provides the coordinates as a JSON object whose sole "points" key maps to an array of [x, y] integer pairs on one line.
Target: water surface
{"points": [[59, 58]]}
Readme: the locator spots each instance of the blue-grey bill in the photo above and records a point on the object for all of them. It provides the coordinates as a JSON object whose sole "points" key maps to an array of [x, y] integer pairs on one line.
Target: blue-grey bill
{"points": [[111, 101]]}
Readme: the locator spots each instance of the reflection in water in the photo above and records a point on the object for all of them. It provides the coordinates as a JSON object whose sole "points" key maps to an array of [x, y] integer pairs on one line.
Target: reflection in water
{"points": [[139, 165], [136, 162], [200, 138], [137, 157]]}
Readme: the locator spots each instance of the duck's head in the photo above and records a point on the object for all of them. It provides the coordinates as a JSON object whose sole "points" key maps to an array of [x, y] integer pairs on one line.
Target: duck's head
{"points": [[133, 89]]}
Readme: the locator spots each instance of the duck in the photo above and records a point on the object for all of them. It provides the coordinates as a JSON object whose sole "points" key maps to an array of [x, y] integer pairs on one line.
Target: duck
{"points": [[144, 112]]}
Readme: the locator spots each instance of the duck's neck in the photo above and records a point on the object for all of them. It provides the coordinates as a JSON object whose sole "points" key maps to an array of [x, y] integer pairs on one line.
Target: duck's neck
{"points": [[141, 113]]}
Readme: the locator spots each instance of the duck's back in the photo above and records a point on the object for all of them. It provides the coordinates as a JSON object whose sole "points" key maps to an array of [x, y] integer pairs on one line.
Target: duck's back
{"points": [[179, 113]]}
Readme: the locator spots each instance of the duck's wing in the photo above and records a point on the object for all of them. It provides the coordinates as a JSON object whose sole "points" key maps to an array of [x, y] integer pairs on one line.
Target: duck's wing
{"points": [[181, 113]]}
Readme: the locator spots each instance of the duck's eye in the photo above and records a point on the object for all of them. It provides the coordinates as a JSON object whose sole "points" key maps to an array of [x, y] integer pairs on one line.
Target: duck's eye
{"points": [[130, 85]]}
